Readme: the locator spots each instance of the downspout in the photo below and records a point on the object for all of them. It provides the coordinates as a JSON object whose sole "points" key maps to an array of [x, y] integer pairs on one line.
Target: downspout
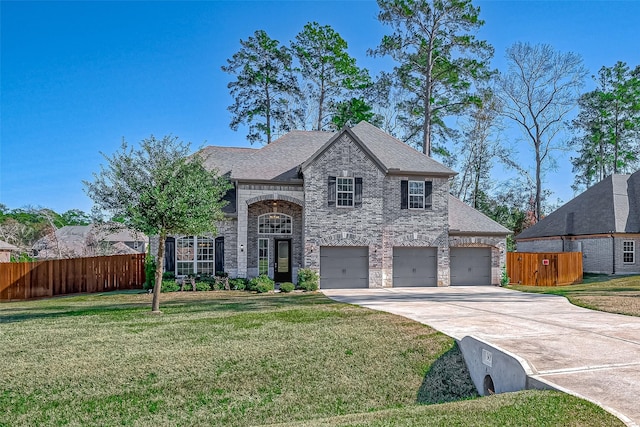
{"points": [[613, 252], [563, 249]]}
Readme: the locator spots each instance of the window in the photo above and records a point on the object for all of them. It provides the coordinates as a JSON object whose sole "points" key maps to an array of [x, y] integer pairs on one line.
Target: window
{"points": [[263, 256], [274, 223], [194, 255], [416, 194], [628, 252], [345, 191]]}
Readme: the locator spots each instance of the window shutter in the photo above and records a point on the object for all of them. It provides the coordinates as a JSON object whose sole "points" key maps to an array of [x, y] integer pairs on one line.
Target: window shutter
{"points": [[331, 191], [404, 194], [357, 198], [428, 190]]}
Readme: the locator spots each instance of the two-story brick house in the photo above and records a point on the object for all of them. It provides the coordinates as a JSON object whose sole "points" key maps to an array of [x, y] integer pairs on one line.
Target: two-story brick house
{"points": [[358, 206]]}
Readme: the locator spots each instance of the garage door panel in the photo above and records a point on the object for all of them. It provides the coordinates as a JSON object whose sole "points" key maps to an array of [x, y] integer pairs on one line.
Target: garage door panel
{"points": [[470, 266], [415, 266], [344, 267]]}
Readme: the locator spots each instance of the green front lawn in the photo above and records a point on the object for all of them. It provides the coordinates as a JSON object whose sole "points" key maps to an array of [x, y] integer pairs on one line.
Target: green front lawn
{"points": [[614, 294], [237, 359]]}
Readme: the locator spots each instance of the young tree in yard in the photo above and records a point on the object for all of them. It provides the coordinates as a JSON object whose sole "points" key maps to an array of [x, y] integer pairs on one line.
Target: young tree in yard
{"points": [[158, 189], [328, 72], [264, 88], [539, 89], [609, 126], [439, 61]]}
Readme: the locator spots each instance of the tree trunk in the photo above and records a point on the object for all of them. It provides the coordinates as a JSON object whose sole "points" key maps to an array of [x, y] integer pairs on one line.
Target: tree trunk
{"points": [[538, 182], [155, 305], [268, 110], [320, 104], [426, 127]]}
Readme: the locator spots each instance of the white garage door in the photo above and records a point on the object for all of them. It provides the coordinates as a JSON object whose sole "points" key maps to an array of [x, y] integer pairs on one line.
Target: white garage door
{"points": [[415, 267], [344, 267], [470, 266]]}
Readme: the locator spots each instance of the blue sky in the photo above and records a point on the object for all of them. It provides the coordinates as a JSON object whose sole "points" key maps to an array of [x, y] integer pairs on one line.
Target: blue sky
{"points": [[77, 77]]}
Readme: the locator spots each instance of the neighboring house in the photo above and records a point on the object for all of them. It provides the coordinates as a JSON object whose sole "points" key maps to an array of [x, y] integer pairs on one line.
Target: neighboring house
{"points": [[603, 223], [5, 251], [75, 241], [358, 206]]}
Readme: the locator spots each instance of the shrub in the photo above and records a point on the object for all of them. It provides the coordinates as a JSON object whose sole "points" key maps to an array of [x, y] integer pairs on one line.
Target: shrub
{"points": [[203, 286], [263, 287], [170, 286], [261, 284], [504, 279], [186, 286], [238, 284], [308, 279], [252, 284], [149, 272], [169, 275], [287, 287]]}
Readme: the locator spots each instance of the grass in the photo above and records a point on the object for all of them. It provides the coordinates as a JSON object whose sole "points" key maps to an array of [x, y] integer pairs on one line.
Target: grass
{"points": [[237, 359], [614, 294]]}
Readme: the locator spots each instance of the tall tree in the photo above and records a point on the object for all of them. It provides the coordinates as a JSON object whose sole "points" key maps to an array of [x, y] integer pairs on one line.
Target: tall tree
{"points": [[351, 112], [539, 89], [264, 88], [439, 60], [158, 189], [328, 72], [479, 148], [608, 126]]}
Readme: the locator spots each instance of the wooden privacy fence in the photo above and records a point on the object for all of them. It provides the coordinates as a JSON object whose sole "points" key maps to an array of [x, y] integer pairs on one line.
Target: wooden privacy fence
{"points": [[544, 269], [26, 280]]}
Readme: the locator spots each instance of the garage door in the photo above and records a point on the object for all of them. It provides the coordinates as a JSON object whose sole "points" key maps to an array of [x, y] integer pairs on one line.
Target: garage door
{"points": [[415, 267], [344, 267], [470, 266]]}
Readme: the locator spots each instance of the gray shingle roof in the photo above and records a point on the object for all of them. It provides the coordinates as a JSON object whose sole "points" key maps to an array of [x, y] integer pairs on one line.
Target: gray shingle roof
{"points": [[465, 219], [4, 246], [395, 154], [610, 206], [280, 160], [277, 161]]}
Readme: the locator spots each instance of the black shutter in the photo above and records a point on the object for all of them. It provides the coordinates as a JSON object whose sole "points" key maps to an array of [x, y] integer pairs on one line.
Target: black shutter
{"points": [[170, 254], [331, 189], [219, 255], [428, 190], [404, 194], [357, 202]]}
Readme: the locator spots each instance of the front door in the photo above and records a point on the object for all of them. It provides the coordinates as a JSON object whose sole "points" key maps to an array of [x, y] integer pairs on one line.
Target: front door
{"points": [[282, 268]]}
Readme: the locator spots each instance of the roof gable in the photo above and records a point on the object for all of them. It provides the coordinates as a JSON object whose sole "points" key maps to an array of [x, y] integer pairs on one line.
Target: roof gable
{"points": [[337, 137], [610, 206]]}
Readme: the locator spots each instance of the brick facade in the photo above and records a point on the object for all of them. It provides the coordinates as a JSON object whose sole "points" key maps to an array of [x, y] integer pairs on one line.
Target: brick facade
{"points": [[378, 223]]}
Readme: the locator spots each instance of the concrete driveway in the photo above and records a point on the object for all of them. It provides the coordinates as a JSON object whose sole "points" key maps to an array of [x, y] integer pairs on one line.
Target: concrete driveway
{"points": [[591, 354]]}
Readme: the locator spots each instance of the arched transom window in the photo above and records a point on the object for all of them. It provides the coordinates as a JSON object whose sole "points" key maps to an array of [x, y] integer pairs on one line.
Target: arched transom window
{"points": [[274, 223]]}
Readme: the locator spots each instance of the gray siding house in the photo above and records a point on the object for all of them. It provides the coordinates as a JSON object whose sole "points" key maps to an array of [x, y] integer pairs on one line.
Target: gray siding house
{"points": [[358, 206], [603, 223]]}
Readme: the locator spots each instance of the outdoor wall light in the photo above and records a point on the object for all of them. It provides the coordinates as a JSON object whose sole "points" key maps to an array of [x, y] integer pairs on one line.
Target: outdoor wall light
{"points": [[241, 248]]}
